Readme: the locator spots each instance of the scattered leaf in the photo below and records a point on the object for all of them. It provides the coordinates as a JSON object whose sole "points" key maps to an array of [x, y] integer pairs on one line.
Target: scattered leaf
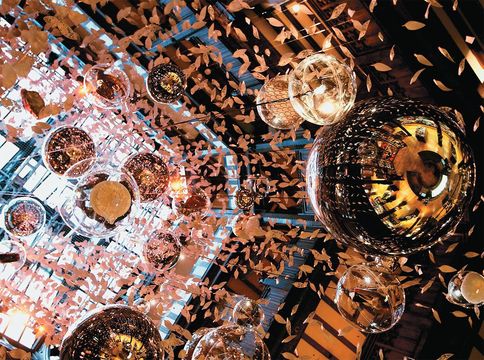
{"points": [[441, 85], [381, 67], [413, 25]]}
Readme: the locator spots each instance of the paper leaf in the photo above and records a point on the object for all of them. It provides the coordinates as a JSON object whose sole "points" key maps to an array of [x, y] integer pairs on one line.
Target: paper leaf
{"points": [[476, 124], [275, 22], [459, 314], [436, 316], [462, 64], [423, 60], [416, 75], [279, 319], [413, 25], [381, 67], [441, 85], [444, 52], [337, 11], [447, 269]]}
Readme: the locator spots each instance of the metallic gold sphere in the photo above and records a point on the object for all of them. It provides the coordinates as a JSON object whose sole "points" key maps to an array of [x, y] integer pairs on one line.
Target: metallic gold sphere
{"points": [[392, 178], [114, 332]]}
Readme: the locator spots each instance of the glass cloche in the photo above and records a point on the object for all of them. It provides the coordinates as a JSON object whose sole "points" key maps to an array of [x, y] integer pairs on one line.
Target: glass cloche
{"points": [[322, 89], [394, 177], [107, 86], [231, 342], [274, 107], [466, 288], [103, 201], [370, 300]]}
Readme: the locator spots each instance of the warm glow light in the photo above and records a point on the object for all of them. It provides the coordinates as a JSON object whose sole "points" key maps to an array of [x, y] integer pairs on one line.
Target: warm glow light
{"points": [[327, 107], [83, 90], [296, 8], [18, 318]]}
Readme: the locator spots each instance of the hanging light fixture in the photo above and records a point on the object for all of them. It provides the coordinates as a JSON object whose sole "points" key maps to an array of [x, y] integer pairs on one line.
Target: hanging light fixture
{"points": [[322, 89], [274, 107], [150, 173], [107, 86], [370, 300], [23, 216], [65, 147], [166, 83]]}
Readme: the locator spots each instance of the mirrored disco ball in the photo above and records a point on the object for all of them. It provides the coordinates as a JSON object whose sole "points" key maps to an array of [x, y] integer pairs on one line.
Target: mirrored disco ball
{"points": [[231, 342], [104, 201], [150, 173], [195, 202], [12, 258], [322, 89], [106, 86], [162, 250], [392, 178], [371, 301], [23, 216], [274, 106], [466, 288], [166, 83], [66, 146], [112, 332], [248, 312]]}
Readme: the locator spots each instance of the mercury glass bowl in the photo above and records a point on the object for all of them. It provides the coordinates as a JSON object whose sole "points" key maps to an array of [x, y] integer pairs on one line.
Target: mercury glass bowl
{"points": [[166, 83], [66, 146], [23, 216]]}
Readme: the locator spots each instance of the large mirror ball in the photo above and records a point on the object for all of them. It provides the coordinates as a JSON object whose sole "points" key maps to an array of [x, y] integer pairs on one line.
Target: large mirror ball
{"points": [[393, 177]]}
